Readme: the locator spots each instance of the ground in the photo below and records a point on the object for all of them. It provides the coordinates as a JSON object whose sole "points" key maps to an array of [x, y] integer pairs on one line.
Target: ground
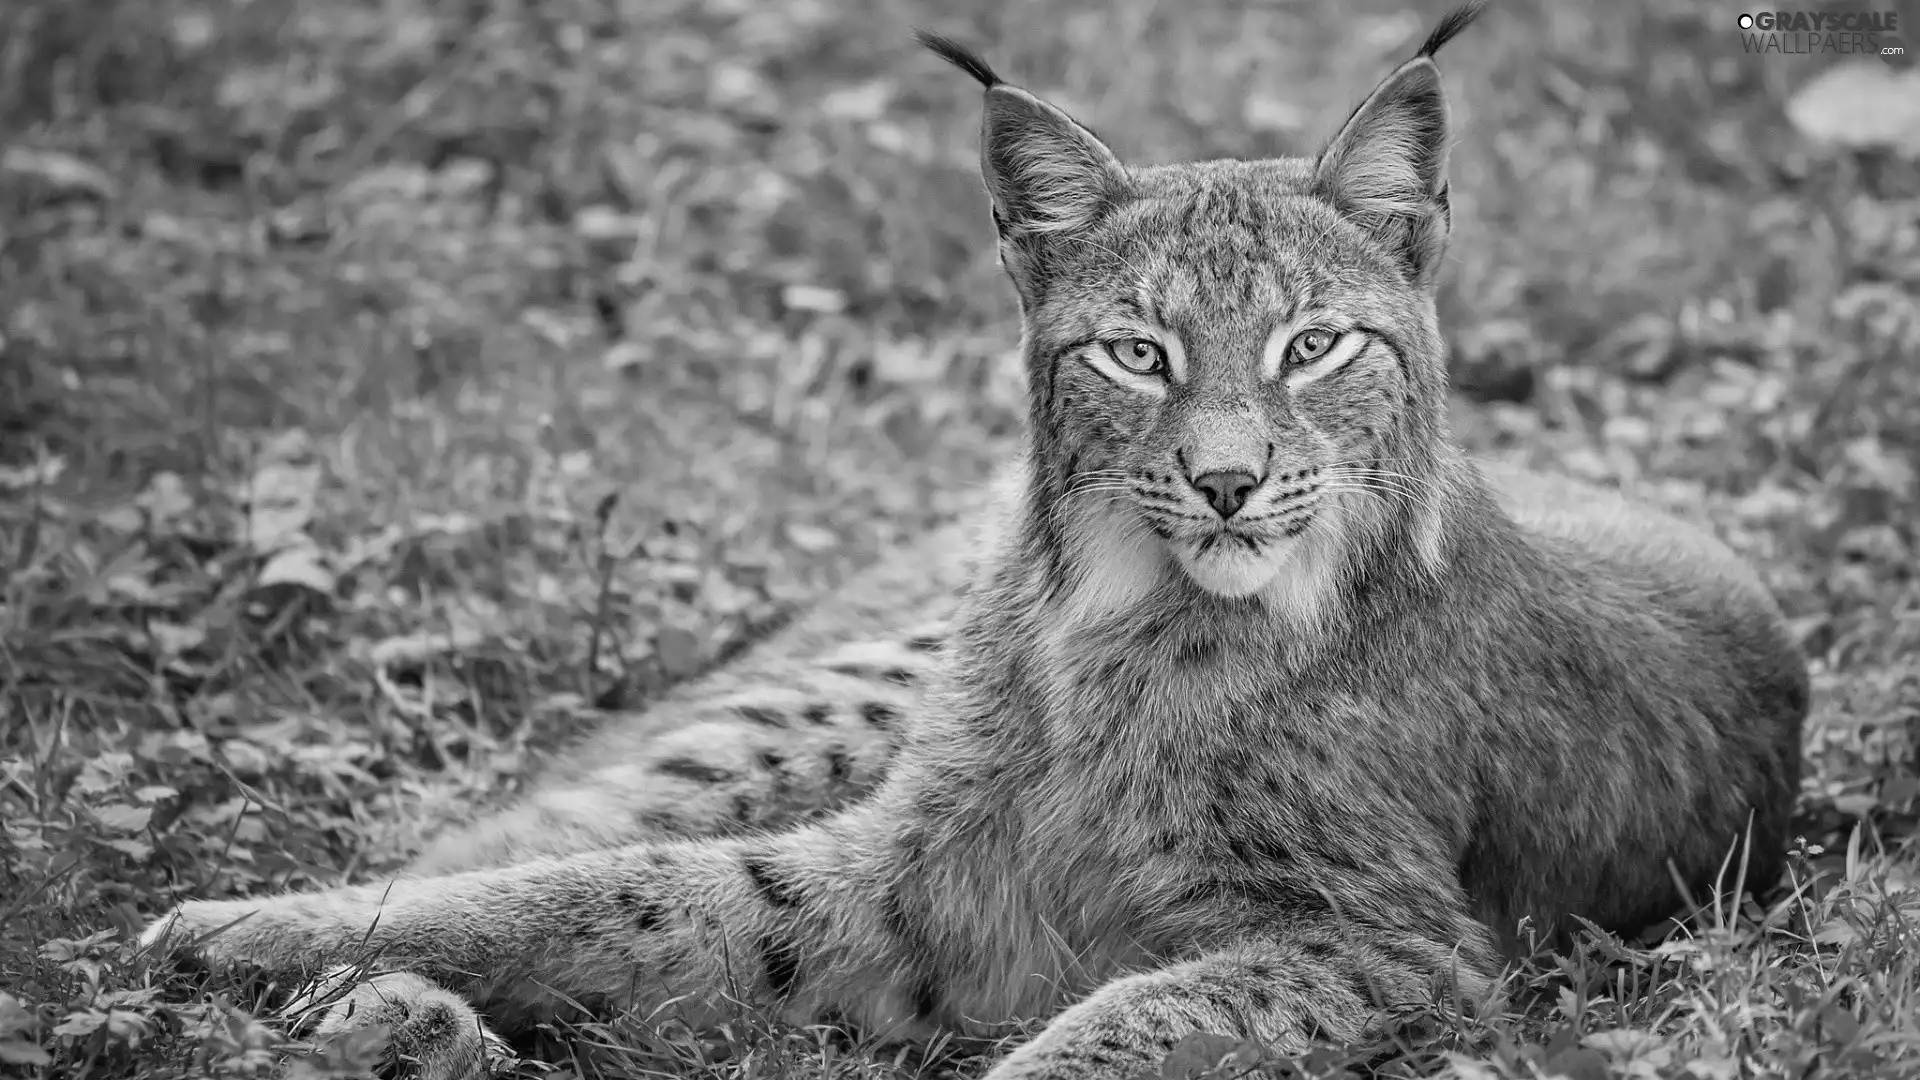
{"points": [[388, 385]]}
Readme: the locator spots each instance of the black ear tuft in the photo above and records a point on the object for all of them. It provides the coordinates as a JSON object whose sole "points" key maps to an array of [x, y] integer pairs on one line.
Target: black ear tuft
{"points": [[959, 56], [1450, 27]]}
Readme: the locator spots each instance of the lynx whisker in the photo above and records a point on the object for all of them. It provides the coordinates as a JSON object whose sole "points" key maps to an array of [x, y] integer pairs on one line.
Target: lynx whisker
{"points": [[1359, 470]]}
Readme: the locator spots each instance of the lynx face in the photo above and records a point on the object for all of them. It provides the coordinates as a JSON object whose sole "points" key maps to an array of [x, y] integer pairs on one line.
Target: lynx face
{"points": [[1228, 373], [1234, 364]]}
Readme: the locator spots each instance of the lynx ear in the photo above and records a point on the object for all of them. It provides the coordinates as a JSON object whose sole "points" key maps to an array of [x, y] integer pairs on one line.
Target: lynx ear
{"points": [[1387, 169], [1045, 172]]}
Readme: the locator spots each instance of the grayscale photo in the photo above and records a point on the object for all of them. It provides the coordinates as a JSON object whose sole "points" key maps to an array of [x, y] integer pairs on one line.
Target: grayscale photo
{"points": [[996, 540]]}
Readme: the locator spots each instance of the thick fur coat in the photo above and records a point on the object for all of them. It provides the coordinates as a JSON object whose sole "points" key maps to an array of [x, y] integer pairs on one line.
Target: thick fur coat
{"points": [[1264, 711]]}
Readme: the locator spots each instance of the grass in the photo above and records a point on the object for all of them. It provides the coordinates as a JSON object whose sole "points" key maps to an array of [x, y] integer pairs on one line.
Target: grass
{"points": [[390, 389]]}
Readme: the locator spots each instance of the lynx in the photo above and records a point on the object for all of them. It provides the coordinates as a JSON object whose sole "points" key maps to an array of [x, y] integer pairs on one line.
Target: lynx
{"points": [[1264, 712]]}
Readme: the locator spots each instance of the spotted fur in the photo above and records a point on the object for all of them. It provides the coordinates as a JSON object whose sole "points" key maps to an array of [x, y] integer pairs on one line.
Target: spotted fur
{"points": [[1266, 712], [797, 727]]}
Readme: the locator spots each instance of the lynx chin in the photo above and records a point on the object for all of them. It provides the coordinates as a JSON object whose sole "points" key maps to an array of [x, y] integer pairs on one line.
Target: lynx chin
{"points": [[1255, 708]]}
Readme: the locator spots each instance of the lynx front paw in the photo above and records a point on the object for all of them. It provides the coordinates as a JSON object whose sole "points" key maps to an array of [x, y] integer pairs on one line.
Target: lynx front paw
{"points": [[432, 1034]]}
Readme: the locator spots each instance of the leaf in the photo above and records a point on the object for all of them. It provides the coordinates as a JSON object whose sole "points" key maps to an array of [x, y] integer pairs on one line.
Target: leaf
{"points": [[122, 818], [413, 648], [1202, 1052], [64, 173], [15, 1017], [679, 650], [625, 356], [1860, 105], [104, 772], [1467, 1068], [15, 1052], [1609, 946], [175, 639], [867, 101], [1875, 464], [815, 298], [300, 565], [1266, 112], [1857, 805], [176, 747], [80, 1024], [281, 498], [64, 950], [811, 538], [165, 500], [1899, 790], [1836, 932], [44, 470], [910, 361], [131, 578], [1840, 1025], [125, 520], [126, 1025], [1623, 1042], [1714, 1068], [601, 222], [136, 850], [1565, 1036], [1578, 1063]]}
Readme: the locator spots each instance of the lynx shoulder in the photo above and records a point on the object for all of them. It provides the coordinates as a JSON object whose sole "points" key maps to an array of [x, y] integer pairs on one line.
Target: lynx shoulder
{"points": [[1267, 712]]}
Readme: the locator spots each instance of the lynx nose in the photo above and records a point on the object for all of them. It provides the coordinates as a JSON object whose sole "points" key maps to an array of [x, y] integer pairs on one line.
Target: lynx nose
{"points": [[1226, 491]]}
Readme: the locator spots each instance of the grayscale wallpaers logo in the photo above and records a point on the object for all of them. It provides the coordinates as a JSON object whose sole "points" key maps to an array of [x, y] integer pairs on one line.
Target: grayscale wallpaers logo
{"points": [[1799, 33]]}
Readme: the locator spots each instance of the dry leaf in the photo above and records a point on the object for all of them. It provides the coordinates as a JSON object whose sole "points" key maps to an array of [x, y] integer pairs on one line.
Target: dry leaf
{"points": [[815, 298], [302, 566], [1263, 112], [44, 470], [413, 648], [19, 1052], [175, 639], [811, 538], [281, 499], [910, 361], [624, 356], [866, 101], [603, 223], [1578, 1063], [15, 1017], [63, 172], [1860, 105], [1200, 1053], [678, 650], [165, 499], [1623, 1042], [122, 818], [104, 772], [1870, 458]]}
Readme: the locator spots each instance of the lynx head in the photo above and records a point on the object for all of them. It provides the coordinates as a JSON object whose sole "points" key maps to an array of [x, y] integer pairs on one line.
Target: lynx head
{"points": [[1234, 365]]}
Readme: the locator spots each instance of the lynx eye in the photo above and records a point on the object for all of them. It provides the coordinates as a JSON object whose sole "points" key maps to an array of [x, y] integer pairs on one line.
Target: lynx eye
{"points": [[1138, 355], [1311, 345]]}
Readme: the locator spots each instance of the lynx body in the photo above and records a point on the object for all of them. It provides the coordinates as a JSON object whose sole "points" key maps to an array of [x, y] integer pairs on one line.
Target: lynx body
{"points": [[1262, 709]]}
